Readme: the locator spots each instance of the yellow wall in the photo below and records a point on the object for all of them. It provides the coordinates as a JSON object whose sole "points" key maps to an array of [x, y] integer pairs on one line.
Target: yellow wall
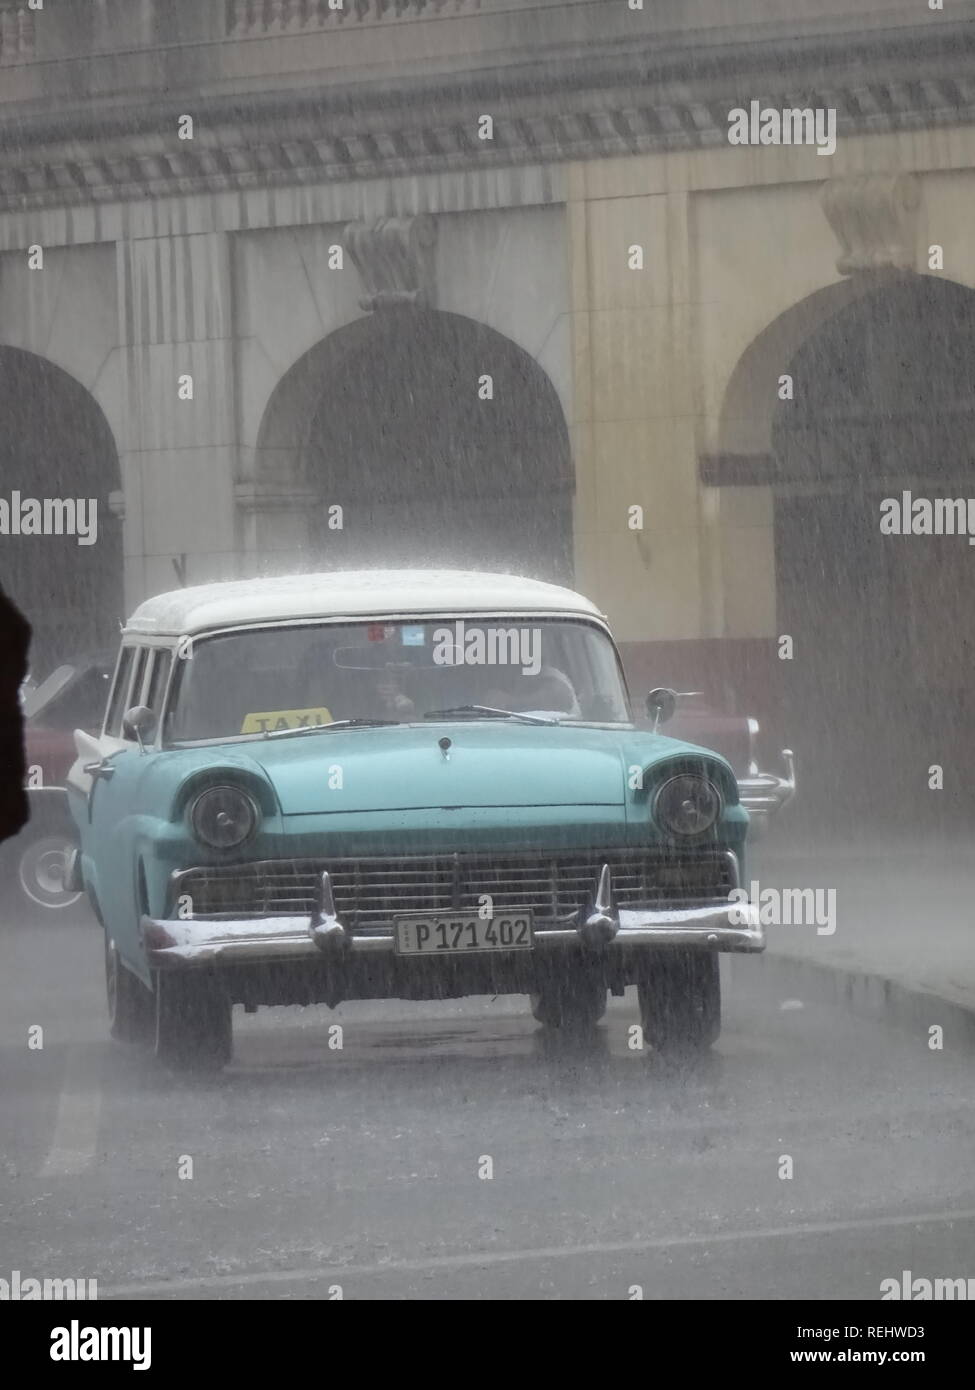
{"points": [[733, 240]]}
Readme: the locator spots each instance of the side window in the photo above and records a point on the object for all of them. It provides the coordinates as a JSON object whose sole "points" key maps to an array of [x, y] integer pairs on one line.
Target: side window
{"points": [[117, 705], [138, 680], [179, 680], [161, 662]]}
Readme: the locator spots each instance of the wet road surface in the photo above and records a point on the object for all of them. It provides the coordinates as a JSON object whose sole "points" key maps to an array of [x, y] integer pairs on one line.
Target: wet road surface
{"points": [[454, 1150]]}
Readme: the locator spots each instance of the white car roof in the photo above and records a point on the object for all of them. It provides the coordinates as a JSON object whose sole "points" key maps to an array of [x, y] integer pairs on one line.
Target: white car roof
{"points": [[352, 594]]}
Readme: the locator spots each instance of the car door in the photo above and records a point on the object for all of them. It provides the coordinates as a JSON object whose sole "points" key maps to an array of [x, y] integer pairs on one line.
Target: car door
{"points": [[104, 786]]}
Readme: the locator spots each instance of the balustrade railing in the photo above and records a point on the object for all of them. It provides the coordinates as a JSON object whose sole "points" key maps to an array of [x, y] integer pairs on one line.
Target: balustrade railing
{"points": [[252, 18], [17, 31]]}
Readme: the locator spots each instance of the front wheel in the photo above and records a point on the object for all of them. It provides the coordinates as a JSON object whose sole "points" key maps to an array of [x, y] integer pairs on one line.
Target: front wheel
{"points": [[680, 1002], [194, 1022], [131, 1010], [575, 1004]]}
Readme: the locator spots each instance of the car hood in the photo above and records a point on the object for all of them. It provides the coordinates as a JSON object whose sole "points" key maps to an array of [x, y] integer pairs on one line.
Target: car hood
{"points": [[404, 767]]}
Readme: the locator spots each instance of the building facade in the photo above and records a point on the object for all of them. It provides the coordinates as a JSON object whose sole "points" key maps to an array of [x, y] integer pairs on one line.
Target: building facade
{"points": [[287, 284]]}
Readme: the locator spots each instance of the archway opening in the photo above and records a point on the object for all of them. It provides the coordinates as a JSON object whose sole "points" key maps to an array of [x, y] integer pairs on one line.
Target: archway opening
{"points": [[392, 420], [881, 686], [56, 448]]}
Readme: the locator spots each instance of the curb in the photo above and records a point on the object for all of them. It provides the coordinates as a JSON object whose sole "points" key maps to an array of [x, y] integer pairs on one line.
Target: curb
{"points": [[870, 995]]}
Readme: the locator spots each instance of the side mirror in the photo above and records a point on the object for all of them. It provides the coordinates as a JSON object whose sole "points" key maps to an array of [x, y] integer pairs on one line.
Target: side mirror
{"points": [[661, 704], [139, 723]]}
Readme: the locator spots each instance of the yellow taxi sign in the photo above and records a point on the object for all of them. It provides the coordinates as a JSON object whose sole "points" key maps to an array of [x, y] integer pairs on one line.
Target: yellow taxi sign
{"points": [[274, 720]]}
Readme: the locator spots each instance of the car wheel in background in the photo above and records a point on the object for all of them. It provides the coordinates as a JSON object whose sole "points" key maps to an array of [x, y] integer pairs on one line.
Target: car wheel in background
{"points": [[194, 1022], [36, 861], [680, 1001], [131, 1007], [574, 1004]]}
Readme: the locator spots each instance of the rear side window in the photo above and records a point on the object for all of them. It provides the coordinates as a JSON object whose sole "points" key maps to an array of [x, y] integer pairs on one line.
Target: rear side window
{"points": [[139, 677], [161, 662], [117, 705]]}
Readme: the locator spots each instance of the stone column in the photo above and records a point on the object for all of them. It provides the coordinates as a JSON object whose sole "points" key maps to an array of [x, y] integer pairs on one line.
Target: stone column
{"points": [[634, 428], [178, 450], [274, 527]]}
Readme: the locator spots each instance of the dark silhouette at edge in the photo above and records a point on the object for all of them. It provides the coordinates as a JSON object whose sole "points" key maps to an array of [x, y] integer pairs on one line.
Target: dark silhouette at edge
{"points": [[14, 643]]}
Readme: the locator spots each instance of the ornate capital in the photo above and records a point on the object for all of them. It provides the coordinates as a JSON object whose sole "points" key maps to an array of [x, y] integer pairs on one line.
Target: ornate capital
{"points": [[874, 218], [394, 257]]}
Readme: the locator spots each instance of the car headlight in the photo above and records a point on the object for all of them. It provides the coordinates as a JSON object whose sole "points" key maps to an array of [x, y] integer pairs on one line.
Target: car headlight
{"points": [[687, 805], [224, 817]]}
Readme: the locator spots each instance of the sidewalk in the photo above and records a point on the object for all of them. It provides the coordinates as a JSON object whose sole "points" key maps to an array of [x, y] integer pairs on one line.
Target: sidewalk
{"points": [[904, 943]]}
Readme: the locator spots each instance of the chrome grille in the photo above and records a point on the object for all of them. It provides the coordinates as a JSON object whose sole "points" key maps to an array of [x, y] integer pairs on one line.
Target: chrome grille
{"points": [[369, 892]]}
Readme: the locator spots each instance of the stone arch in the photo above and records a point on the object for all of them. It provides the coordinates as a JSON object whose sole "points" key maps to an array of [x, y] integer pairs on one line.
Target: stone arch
{"points": [[383, 418], [57, 444], [884, 388], [884, 632], [745, 427]]}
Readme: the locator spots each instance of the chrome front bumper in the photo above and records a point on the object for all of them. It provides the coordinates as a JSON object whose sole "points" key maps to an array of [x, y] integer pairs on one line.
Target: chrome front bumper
{"points": [[601, 927]]}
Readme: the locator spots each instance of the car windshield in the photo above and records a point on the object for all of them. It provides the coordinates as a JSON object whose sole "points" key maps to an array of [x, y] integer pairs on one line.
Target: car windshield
{"points": [[266, 680]]}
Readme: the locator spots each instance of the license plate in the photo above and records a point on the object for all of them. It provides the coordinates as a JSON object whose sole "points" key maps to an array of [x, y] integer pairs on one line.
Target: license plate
{"points": [[435, 933]]}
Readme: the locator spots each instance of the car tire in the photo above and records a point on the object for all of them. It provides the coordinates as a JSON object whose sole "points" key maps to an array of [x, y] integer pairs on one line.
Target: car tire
{"points": [[131, 1007], [194, 1022], [574, 1005], [35, 862], [680, 1002]]}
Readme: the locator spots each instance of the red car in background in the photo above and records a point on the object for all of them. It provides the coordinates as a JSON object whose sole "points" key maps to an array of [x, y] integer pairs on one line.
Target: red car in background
{"points": [[32, 864]]}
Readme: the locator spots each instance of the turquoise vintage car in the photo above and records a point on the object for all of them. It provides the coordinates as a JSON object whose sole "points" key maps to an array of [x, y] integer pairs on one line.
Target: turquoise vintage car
{"points": [[414, 784]]}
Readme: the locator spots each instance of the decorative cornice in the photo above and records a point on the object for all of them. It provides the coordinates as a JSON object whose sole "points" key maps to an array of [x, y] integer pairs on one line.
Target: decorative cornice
{"points": [[544, 111]]}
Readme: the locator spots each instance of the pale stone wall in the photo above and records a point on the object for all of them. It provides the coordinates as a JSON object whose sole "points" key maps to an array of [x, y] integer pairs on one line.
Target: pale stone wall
{"points": [[683, 358], [233, 289], [653, 368], [506, 269]]}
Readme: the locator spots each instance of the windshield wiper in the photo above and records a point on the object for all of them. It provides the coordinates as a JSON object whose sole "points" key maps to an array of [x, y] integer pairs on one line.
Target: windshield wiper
{"points": [[324, 728], [492, 713]]}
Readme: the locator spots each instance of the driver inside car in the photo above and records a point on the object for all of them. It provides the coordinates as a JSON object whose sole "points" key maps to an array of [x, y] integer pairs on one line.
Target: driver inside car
{"points": [[349, 691], [548, 692], [393, 700]]}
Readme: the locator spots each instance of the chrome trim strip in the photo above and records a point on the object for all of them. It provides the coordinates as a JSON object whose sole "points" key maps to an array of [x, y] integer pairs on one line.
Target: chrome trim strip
{"points": [[764, 791]]}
